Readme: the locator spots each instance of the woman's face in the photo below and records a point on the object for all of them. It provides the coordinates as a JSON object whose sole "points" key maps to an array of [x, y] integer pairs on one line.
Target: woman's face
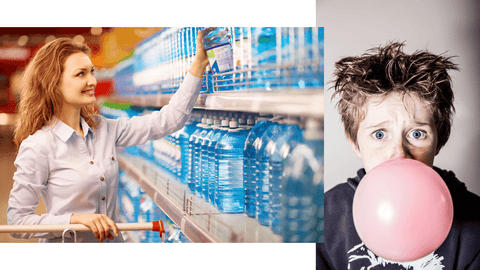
{"points": [[77, 82]]}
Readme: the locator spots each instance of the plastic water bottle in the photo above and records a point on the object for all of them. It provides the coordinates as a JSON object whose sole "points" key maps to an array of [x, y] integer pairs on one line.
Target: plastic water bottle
{"points": [[182, 136], [191, 148], [204, 149], [241, 56], [264, 56], [302, 188], [216, 41], [318, 55], [217, 44], [249, 163], [290, 136], [211, 159], [229, 196], [198, 157], [264, 148]]}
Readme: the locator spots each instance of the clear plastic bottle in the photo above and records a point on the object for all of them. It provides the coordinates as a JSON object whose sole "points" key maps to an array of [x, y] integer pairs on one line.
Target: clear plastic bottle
{"points": [[216, 41], [182, 136], [229, 194], [198, 156], [262, 175], [217, 44], [302, 188], [291, 135], [191, 149], [249, 161], [264, 57], [204, 149], [211, 159], [316, 53], [241, 56]]}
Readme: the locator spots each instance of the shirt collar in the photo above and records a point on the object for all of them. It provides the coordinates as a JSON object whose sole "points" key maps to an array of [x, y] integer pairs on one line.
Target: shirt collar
{"points": [[86, 128], [64, 132]]}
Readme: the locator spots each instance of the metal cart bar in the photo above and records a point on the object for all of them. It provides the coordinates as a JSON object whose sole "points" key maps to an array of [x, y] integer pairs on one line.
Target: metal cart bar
{"points": [[156, 226]]}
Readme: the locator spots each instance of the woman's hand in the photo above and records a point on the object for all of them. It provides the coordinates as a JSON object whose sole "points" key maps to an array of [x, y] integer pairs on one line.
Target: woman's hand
{"points": [[201, 59], [100, 224]]}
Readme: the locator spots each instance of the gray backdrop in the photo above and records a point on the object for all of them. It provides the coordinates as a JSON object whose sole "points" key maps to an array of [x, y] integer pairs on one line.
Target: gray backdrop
{"points": [[352, 27]]}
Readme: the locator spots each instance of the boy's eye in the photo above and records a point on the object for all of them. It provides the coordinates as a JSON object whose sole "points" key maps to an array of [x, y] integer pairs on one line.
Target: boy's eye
{"points": [[417, 134], [379, 134], [81, 74]]}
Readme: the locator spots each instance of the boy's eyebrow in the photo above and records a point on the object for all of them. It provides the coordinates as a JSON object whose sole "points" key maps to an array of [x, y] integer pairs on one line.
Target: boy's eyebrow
{"points": [[421, 123], [378, 125], [383, 123]]}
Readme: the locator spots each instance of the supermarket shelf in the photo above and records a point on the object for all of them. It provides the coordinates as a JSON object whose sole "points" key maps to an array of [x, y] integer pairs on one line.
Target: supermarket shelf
{"points": [[146, 100], [308, 103], [302, 103], [197, 219]]}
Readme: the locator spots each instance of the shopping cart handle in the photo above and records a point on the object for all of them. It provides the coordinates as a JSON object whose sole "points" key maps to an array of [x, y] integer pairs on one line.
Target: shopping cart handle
{"points": [[156, 226]]}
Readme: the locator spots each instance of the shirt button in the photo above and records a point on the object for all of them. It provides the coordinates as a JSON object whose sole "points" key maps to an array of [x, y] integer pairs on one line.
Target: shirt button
{"points": [[103, 198], [91, 162], [101, 178], [113, 158]]}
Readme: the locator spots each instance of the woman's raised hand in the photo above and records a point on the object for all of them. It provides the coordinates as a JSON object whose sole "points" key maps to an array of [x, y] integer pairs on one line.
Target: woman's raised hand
{"points": [[100, 224], [201, 59]]}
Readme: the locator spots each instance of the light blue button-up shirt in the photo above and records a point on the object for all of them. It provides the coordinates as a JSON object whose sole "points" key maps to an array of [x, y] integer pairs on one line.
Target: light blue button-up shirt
{"points": [[80, 176]]}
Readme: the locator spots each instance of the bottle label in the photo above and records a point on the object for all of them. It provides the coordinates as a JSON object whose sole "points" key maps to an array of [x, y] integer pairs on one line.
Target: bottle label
{"points": [[221, 58]]}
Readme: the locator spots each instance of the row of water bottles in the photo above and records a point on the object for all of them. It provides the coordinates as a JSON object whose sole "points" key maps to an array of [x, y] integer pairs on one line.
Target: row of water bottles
{"points": [[263, 58], [269, 168], [136, 206]]}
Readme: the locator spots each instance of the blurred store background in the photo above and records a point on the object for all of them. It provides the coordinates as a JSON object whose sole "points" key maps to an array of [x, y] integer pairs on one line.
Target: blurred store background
{"points": [[18, 45]]}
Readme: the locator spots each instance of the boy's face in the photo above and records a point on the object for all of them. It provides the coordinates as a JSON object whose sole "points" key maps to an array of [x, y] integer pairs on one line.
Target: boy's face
{"points": [[396, 127]]}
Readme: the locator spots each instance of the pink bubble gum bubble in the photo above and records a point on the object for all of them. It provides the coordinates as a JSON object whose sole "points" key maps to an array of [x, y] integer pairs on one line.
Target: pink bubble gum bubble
{"points": [[402, 210]]}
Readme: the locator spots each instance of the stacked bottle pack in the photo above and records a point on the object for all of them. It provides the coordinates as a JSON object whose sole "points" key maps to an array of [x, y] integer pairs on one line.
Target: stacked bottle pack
{"points": [[261, 58], [270, 168]]}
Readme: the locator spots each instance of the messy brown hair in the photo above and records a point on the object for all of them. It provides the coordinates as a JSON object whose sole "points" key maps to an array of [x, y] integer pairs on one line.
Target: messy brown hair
{"points": [[40, 98], [383, 70]]}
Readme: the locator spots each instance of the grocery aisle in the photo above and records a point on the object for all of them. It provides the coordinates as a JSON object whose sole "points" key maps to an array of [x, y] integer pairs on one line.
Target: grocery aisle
{"points": [[210, 181], [8, 152], [221, 178]]}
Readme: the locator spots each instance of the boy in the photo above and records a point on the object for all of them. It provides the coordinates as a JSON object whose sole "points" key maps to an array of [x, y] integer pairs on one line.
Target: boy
{"points": [[396, 105]]}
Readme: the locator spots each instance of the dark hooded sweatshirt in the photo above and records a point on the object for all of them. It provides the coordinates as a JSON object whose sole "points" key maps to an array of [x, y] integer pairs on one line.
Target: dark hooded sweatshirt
{"points": [[343, 249]]}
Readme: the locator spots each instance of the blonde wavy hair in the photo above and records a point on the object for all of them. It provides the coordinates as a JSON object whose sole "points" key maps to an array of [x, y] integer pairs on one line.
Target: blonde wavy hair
{"points": [[40, 98]]}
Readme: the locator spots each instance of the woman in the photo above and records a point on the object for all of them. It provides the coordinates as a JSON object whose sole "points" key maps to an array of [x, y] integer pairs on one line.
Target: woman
{"points": [[67, 152]]}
